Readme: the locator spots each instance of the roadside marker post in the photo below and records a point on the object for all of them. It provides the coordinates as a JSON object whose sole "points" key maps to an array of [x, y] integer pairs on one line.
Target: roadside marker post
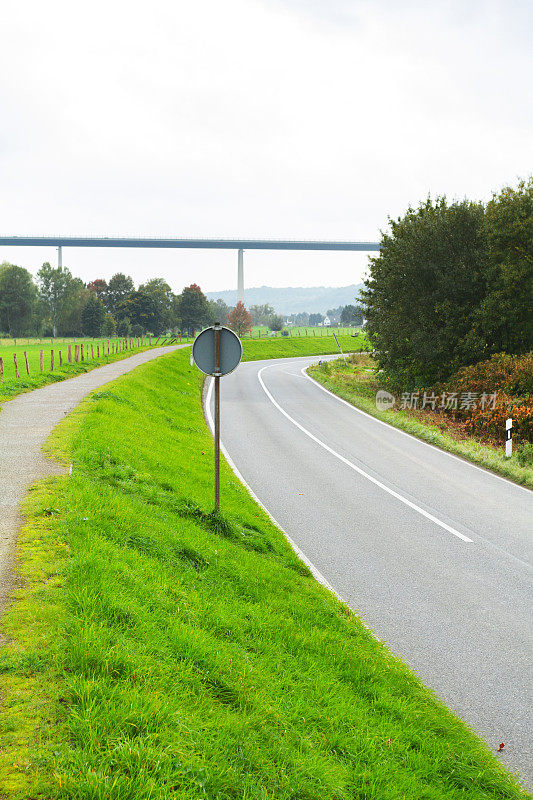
{"points": [[338, 345], [217, 351], [508, 438]]}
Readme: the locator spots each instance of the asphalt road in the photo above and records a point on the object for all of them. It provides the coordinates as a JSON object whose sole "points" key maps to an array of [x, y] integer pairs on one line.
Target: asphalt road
{"points": [[431, 551]]}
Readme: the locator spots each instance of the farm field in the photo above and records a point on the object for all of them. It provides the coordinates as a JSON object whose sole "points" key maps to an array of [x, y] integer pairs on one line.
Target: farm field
{"points": [[355, 382], [289, 346], [160, 651], [95, 354], [301, 330]]}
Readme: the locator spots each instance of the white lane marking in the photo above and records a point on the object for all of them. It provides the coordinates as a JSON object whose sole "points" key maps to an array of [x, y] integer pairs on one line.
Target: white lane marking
{"points": [[301, 555], [390, 426], [357, 469]]}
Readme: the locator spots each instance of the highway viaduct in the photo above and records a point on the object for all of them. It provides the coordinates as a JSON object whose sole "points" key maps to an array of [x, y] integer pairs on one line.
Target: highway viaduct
{"points": [[240, 245]]}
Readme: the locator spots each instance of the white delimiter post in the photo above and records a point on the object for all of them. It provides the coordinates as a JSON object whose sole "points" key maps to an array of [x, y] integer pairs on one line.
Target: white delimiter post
{"points": [[509, 438], [240, 277]]}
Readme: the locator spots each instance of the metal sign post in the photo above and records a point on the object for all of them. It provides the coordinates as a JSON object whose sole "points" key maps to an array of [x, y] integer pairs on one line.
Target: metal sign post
{"points": [[217, 416], [217, 351]]}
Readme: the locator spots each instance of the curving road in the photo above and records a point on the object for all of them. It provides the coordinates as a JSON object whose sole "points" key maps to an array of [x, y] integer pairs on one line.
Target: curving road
{"points": [[433, 552]]}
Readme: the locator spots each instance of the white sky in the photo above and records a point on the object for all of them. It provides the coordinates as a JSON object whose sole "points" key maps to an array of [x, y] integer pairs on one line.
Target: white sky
{"points": [[310, 119]]}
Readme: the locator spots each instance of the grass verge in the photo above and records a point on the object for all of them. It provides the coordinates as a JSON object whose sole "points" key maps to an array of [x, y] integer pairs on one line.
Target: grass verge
{"points": [[158, 651], [355, 383]]}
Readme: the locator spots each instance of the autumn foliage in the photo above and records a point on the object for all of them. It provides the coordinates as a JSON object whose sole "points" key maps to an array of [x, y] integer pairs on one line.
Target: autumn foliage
{"points": [[239, 319], [511, 377]]}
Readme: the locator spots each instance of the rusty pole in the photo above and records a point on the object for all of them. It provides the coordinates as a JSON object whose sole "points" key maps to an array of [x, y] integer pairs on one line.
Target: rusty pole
{"points": [[217, 416]]}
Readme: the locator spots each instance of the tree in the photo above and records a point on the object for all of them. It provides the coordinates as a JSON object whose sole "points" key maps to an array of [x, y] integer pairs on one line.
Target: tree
{"points": [[75, 300], [316, 319], [275, 323], [140, 309], [351, 315], [162, 295], [119, 287], [92, 316], [192, 308], [54, 284], [99, 287], [123, 327], [504, 321], [261, 314], [218, 310], [423, 291], [109, 327], [239, 319], [17, 299]]}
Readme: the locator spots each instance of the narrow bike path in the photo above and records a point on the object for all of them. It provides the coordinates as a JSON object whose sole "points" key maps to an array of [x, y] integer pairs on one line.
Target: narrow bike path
{"points": [[25, 424]]}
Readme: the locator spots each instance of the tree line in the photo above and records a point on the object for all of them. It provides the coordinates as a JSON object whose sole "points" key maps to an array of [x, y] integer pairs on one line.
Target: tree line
{"points": [[346, 315], [59, 304], [452, 285]]}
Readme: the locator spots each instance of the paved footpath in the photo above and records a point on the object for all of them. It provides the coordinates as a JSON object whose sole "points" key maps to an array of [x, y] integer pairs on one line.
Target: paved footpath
{"points": [[25, 424]]}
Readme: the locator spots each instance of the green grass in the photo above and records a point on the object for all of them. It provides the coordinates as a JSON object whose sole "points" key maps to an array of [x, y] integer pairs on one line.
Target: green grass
{"points": [[301, 330], [158, 651], [13, 386], [291, 347], [360, 390]]}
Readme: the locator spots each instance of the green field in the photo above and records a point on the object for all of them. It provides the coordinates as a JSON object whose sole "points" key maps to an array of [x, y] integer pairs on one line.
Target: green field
{"points": [[95, 355], [300, 330], [160, 651], [288, 346]]}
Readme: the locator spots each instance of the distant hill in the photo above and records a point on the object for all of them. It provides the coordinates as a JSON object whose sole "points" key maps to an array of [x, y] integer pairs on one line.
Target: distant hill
{"points": [[293, 300]]}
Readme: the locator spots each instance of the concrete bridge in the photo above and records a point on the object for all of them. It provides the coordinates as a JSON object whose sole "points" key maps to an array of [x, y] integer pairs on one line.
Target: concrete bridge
{"points": [[240, 245]]}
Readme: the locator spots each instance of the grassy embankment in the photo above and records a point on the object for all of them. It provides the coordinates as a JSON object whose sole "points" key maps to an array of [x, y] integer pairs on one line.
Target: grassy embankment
{"points": [[292, 347], [12, 386], [356, 383], [311, 331], [157, 651]]}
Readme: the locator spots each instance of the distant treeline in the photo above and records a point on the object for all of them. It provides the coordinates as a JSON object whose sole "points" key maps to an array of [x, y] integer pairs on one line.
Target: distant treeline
{"points": [[453, 284], [59, 304]]}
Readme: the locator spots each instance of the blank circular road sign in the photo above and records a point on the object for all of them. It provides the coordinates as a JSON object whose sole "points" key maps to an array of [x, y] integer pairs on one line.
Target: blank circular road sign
{"points": [[203, 351]]}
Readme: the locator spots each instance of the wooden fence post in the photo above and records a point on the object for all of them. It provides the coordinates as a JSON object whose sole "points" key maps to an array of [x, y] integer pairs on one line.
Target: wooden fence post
{"points": [[16, 365], [51, 360], [98, 351], [1, 370], [81, 351], [41, 359], [27, 365], [60, 359], [76, 353], [70, 354], [92, 353]]}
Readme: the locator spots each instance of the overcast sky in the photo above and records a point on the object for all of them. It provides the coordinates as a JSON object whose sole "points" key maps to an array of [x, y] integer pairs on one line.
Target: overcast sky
{"points": [[312, 119]]}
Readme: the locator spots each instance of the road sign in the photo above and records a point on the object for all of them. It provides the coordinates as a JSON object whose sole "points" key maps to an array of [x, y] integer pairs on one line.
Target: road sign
{"points": [[217, 351], [204, 347]]}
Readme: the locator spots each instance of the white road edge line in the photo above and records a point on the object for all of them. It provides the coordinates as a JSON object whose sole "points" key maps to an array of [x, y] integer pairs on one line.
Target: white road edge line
{"points": [[314, 571], [357, 469], [390, 426]]}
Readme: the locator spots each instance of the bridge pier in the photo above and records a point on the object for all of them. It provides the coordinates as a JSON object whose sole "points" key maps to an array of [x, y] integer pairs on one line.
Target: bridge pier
{"points": [[240, 277], [59, 256]]}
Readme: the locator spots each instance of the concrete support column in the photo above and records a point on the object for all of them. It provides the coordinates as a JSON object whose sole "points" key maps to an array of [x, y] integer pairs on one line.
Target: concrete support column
{"points": [[60, 256], [240, 277]]}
